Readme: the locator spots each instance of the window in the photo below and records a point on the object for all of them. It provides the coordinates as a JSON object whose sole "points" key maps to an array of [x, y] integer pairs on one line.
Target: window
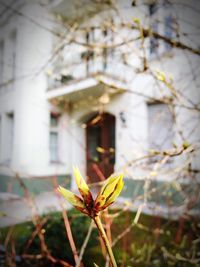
{"points": [[169, 21], [88, 55], [1, 61], [53, 146], [153, 42], [13, 40], [160, 127], [9, 135], [54, 137], [54, 120], [107, 52], [12, 57], [152, 8], [105, 49]]}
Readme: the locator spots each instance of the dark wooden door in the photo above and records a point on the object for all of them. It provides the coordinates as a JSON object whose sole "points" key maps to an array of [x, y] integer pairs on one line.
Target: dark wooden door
{"points": [[100, 149]]}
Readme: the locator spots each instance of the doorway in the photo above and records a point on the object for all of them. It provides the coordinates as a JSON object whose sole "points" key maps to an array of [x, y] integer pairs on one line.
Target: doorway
{"points": [[100, 147]]}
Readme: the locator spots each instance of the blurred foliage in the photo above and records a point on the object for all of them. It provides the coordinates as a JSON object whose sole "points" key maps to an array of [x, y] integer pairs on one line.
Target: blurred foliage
{"points": [[152, 242]]}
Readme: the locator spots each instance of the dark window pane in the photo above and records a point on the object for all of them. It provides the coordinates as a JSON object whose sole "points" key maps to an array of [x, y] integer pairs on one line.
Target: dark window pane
{"points": [[94, 141], [54, 119], [112, 143]]}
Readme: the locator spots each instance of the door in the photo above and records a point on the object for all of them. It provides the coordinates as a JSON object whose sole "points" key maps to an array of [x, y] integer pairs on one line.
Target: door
{"points": [[100, 147]]}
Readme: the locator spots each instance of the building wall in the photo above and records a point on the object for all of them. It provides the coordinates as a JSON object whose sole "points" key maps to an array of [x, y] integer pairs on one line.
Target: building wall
{"points": [[26, 98], [132, 141]]}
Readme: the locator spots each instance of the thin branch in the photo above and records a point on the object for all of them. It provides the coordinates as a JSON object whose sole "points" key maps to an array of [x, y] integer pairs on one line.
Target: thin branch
{"points": [[85, 244]]}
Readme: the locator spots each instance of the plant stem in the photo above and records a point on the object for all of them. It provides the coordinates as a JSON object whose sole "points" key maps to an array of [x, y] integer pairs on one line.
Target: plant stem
{"points": [[105, 240]]}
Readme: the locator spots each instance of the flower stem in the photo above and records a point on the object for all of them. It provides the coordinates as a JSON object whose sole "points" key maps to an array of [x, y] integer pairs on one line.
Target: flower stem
{"points": [[105, 240]]}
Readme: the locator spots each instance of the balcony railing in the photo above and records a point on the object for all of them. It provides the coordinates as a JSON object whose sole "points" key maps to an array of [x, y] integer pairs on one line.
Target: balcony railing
{"points": [[88, 66]]}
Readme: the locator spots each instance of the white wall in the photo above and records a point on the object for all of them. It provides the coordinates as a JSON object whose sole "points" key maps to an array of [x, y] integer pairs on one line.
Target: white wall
{"points": [[27, 99], [31, 109]]}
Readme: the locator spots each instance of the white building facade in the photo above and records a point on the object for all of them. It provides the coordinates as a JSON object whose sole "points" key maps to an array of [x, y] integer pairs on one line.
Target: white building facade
{"points": [[95, 88]]}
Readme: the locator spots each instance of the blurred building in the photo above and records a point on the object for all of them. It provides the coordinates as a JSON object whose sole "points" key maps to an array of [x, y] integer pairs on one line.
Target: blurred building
{"points": [[82, 83]]}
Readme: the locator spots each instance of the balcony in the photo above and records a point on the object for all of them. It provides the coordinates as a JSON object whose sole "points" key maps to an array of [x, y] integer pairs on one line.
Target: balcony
{"points": [[89, 76], [93, 85], [74, 11]]}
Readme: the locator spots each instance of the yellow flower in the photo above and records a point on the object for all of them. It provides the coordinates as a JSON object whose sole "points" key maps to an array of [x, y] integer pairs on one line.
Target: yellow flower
{"points": [[107, 195]]}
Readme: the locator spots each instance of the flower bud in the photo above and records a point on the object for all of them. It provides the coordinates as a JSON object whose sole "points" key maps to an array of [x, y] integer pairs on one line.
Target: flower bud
{"points": [[83, 187], [73, 199], [109, 192]]}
